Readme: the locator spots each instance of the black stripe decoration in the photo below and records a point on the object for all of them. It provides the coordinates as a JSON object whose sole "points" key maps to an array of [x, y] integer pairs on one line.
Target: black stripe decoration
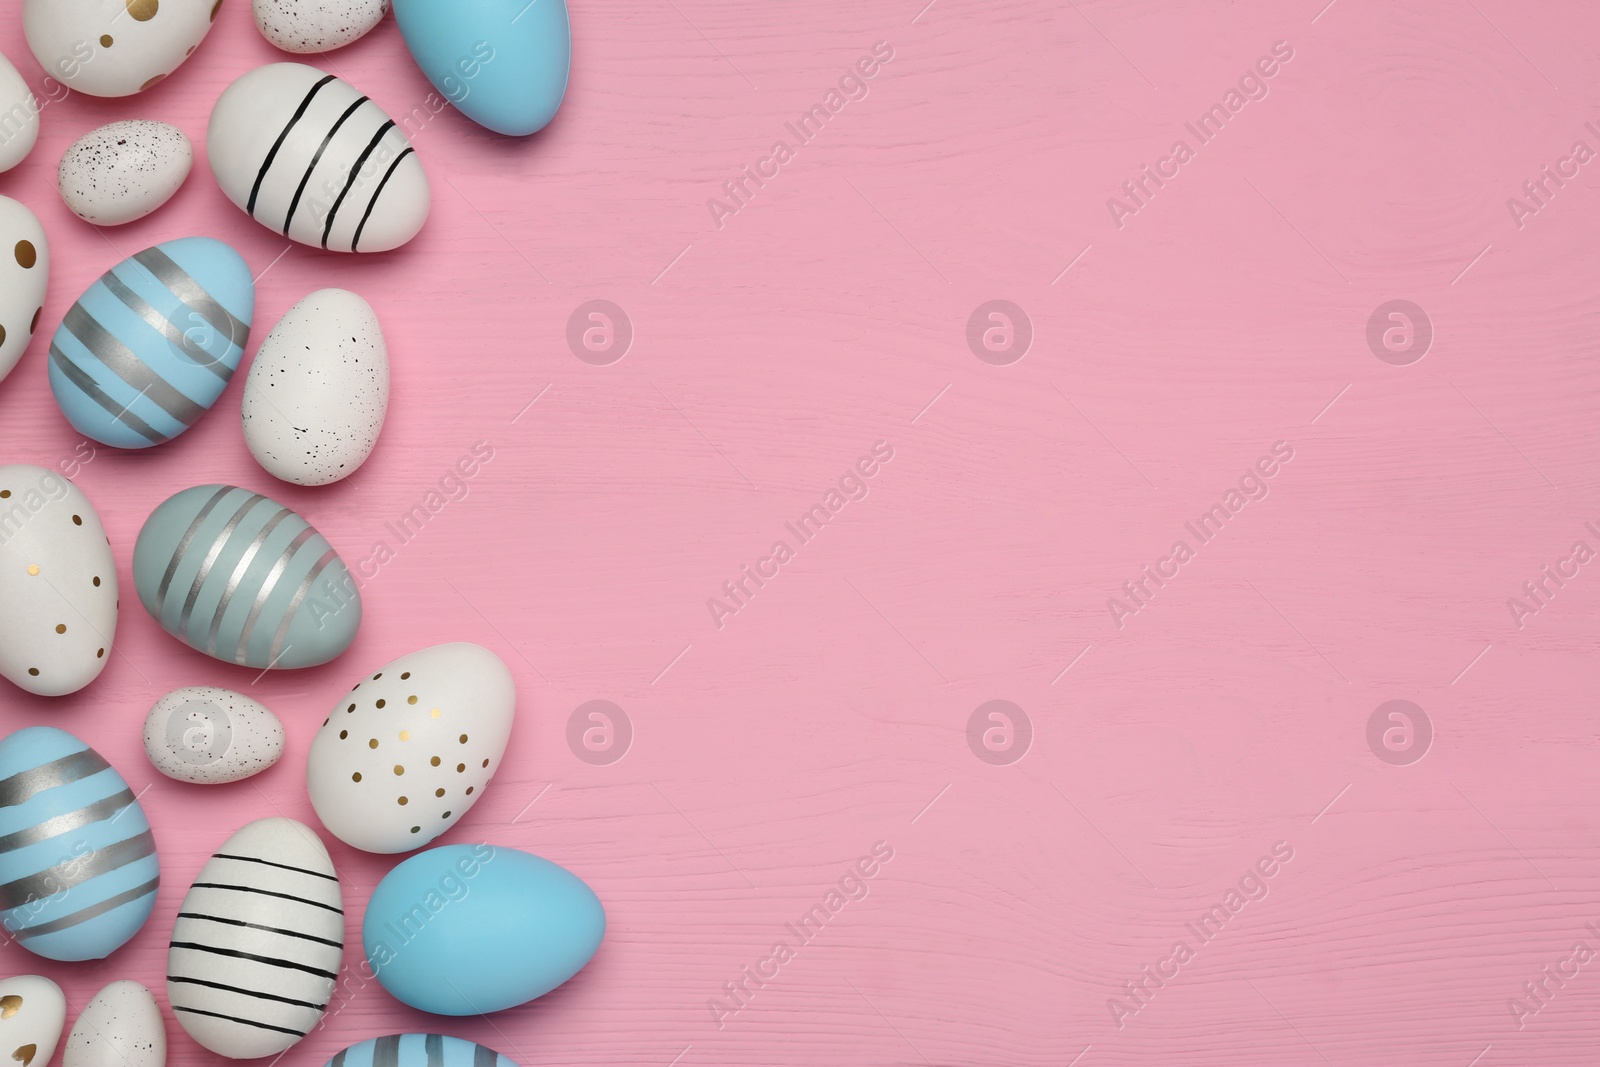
{"points": [[281, 866], [355, 172], [355, 242], [269, 893], [270, 961], [272, 155], [241, 1022], [257, 926], [184, 980], [294, 204]]}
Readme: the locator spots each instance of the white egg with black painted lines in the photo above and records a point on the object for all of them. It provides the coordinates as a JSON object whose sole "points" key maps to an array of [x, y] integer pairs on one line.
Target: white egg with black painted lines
{"points": [[115, 47], [58, 583], [256, 949], [318, 391], [307, 155], [405, 753], [24, 277], [310, 26], [19, 116], [120, 1027], [124, 170], [205, 735], [33, 1012]]}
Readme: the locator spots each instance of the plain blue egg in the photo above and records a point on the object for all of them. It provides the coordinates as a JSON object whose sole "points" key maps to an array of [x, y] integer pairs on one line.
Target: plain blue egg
{"points": [[502, 63], [473, 929]]}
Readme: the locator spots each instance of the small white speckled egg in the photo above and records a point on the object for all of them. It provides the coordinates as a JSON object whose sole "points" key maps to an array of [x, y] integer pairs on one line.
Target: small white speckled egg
{"points": [[307, 26], [124, 171], [318, 390], [24, 276], [120, 1027], [19, 117], [206, 736]]}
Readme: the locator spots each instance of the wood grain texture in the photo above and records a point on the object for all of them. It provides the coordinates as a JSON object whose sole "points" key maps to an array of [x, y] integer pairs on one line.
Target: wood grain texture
{"points": [[831, 712]]}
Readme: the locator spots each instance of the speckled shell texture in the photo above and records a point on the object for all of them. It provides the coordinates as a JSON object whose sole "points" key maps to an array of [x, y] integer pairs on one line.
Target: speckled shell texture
{"points": [[125, 170], [205, 735], [309, 26]]}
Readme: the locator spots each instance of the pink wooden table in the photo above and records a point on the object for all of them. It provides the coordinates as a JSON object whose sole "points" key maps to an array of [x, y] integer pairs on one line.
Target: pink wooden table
{"points": [[1426, 873]]}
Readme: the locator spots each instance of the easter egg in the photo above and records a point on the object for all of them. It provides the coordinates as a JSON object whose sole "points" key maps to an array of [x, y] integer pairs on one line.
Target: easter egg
{"points": [[244, 579], [473, 929], [19, 117], [404, 754], [308, 26], [33, 1012], [502, 63], [318, 390], [24, 276], [58, 583], [78, 869], [120, 1027], [115, 47], [204, 735], [256, 948], [307, 155], [124, 171], [151, 346], [419, 1050]]}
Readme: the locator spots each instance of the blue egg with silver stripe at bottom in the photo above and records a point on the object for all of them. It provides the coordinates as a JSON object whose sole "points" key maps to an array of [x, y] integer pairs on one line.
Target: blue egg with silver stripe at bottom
{"points": [[419, 1050], [245, 580], [78, 867], [151, 345]]}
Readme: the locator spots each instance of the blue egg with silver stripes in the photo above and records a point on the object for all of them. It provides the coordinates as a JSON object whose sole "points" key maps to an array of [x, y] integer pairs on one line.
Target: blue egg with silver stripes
{"points": [[245, 580], [78, 867], [419, 1050], [152, 344]]}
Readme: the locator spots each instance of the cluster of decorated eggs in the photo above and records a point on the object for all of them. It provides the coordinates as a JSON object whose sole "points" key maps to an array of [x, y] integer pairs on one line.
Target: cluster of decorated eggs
{"points": [[257, 948]]}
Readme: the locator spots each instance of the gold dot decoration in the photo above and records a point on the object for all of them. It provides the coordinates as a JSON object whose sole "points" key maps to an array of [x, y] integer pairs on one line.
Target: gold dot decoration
{"points": [[33, 327], [434, 761], [350, 710], [399, 769], [100, 654], [463, 739], [380, 702], [469, 790], [461, 768], [151, 82], [34, 671], [33, 569], [416, 829], [486, 763], [10, 1005], [343, 734], [105, 40], [373, 743], [26, 254], [411, 700], [143, 10], [438, 792], [97, 581], [404, 801], [356, 777], [435, 713], [77, 520], [405, 676], [4, 494], [61, 627], [405, 735], [214, 9], [375, 677], [446, 815]]}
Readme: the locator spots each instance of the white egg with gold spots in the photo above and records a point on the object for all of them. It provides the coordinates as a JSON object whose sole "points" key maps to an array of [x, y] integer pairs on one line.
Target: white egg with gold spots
{"points": [[404, 755], [24, 277], [58, 583], [115, 47], [19, 116], [33, 1012]]}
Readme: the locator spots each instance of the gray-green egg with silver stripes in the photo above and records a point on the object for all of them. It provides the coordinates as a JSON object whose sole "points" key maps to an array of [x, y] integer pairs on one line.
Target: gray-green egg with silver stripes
{"points": [[240, 577], [419, 1050]]}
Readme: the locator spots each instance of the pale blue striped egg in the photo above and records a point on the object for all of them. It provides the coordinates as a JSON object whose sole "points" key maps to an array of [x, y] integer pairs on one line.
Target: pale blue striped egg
{"points": [[242, 578], [419, 1050], [152, 344], [78, 868]]}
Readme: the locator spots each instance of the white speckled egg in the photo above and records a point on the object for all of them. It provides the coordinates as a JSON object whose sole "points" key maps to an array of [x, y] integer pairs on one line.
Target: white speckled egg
{"points": [[411, 748], [58, 583], [308, 26], [19, 117], [120, 1027], [318, 390], [124, 171], [115, 47], [206, 735], [24, 276], [33, 1012]]}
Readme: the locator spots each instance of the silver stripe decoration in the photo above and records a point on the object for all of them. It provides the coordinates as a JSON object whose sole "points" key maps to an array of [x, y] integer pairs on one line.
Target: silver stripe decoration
{"points": [[93, 911], [234, 579], [294, 605], [192, 293], [162, 325], [99, 811], [24, 785], [206, 564], [130, 368], [386, 1051], [433, 1044], [88, 387], [183, 544], [74, 872], [484, 1056], [266, 589]]}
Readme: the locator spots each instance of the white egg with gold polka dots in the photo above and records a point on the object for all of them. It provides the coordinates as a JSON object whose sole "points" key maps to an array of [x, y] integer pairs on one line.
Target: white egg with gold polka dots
{"points": [[58, 584], [115, 47], [24, 276], [404, 755]]}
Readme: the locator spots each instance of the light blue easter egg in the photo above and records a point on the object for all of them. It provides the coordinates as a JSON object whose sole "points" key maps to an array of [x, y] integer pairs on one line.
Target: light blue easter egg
{"points": [[471, 929], [502, 63], [244, 579], [151, 346], [78, 868], [419, 1050]]}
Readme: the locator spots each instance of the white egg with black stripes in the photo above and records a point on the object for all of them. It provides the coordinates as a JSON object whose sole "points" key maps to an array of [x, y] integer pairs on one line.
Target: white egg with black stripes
{"points": [[256, 948]]}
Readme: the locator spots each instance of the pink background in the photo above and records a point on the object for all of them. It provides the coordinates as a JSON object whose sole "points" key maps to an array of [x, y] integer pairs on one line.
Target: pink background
{"points": [[832, 711]]}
